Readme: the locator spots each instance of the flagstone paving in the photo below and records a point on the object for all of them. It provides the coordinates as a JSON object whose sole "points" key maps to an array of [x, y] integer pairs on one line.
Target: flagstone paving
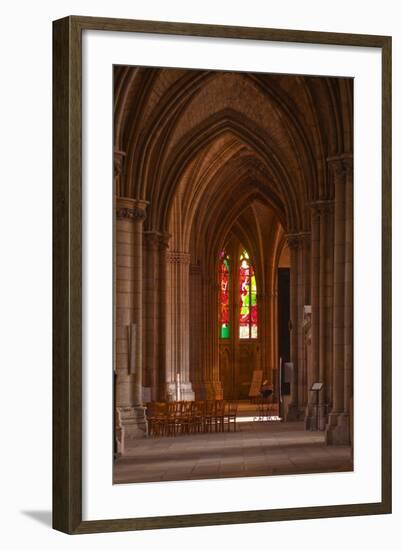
{"points": [[255, 449]]}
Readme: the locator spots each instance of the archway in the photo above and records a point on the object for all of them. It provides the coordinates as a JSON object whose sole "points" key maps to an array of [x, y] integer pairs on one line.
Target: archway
{"points": [[211, 161]]}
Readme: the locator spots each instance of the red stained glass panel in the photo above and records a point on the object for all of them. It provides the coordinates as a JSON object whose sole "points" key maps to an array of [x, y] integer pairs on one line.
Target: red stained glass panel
{"points": [[224, 305]]}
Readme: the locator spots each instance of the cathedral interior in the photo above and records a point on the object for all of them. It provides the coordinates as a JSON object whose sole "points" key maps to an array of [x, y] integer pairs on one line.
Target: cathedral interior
{"points": [[234, 255]]}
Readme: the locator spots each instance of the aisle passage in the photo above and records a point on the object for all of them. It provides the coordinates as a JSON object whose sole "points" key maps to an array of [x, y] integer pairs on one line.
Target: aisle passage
{"points": [[258, 448]]}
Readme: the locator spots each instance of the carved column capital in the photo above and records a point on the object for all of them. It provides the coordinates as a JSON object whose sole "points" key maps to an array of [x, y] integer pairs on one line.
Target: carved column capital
{"points": [[304, 238], [151, 240], [293, 240], [131, 214], [321, 208], [177, 257], [164, 239], [298, 240], [315, 211], [340, 167], [131, 209], [118, 162], [156, 240]]}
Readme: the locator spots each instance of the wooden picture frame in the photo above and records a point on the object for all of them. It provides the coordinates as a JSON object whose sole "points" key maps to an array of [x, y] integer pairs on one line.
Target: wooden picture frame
{"points": [[67, 274]]}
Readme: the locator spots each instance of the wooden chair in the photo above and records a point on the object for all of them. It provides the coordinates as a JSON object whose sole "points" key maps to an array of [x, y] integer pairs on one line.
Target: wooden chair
{"points": [[208, 415], [197, 416], [156, 416], [230, 415], [218, 419], [151, 418], [262, 408], [185, 416], [171, 423]]}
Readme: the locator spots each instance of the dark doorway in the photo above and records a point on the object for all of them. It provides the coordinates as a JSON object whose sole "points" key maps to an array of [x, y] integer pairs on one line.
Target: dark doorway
{"points": [[284, 313]]}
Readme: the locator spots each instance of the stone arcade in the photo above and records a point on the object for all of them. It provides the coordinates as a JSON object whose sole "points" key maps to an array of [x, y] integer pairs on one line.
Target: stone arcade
{"points": [[209, 163]]}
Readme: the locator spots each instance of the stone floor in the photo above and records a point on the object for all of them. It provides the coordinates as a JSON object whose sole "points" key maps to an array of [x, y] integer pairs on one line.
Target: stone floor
{"points": [[256, 449]]}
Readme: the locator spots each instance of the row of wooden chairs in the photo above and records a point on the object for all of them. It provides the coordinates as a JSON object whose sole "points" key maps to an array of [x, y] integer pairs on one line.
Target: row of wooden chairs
{"points": [[190, 417], [265, 407]]}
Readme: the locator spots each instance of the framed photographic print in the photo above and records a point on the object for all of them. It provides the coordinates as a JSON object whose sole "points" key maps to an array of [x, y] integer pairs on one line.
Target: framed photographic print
{"points": [[222, 275]]}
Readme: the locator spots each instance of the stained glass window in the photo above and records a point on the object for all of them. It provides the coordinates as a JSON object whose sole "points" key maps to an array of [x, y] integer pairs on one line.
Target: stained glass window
{"points": [[224, 283], [248, 320]]}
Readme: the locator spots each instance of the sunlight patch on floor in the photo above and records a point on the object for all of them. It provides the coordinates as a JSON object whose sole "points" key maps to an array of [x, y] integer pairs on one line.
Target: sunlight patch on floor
{"points": [[259, 419]]}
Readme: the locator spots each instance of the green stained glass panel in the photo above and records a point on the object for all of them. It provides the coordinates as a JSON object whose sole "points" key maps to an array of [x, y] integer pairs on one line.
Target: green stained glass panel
{"points": [[225, 331]]}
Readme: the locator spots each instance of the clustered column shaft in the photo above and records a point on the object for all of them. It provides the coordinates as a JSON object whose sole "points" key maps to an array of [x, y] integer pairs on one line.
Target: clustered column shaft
{"points": [[321, 313], [313, 371], [339, 429], [196, 349], [325, 308], [348, 294], [211, 384], [178, 385], [303, 298], [299, 245], [137, 295], [293, 243], [330, 335], [130, 215], [152, 308]]}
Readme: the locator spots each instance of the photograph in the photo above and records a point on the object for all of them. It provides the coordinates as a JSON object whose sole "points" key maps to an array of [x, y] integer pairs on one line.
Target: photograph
{"points": [[233, 274], [200, 294]]}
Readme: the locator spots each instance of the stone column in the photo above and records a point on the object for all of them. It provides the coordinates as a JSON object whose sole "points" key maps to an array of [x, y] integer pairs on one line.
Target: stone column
{"points": [[348, 294], [299, 244], [265, 310], [151, 313], [313, 367], [118, 162], [321, 312], [338, 432], [163, 285], [271, 339], [130, 215], [178, 385], [307, 337], [123, 318], [197, 339], [138, 216], [325, 307], [212, 388], [293, 244], [344, 424], [303, 299]]}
